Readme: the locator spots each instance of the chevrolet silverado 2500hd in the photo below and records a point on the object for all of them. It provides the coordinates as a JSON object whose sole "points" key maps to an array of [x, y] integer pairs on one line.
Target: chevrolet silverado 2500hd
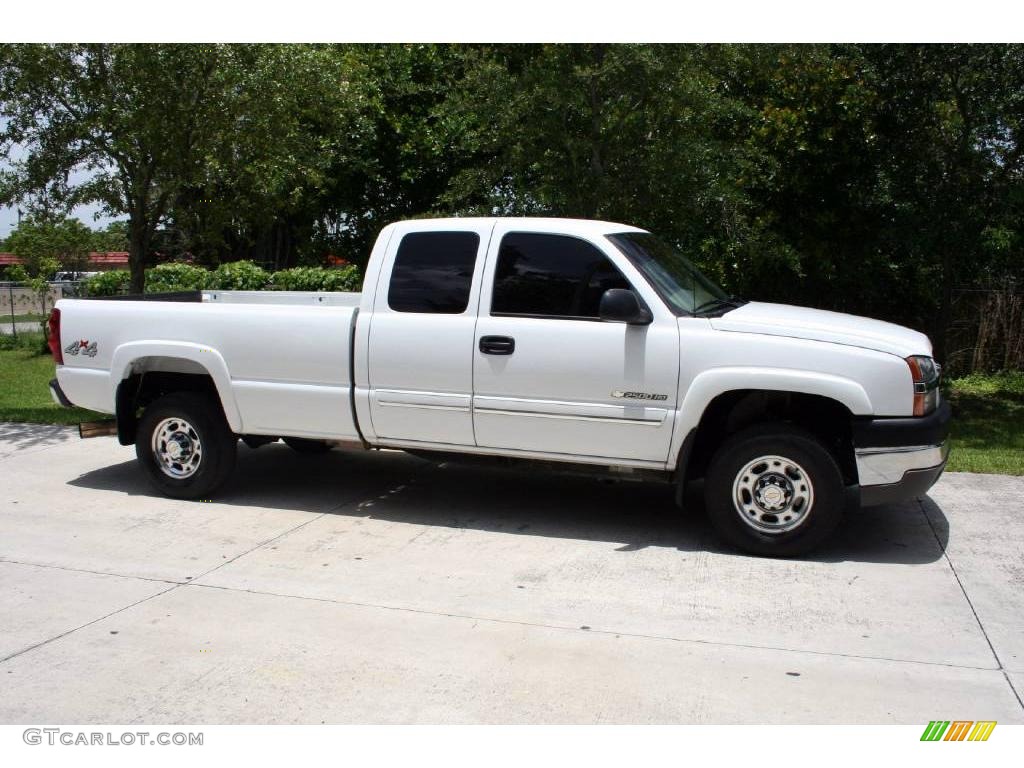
{"points": [[557, 340]]}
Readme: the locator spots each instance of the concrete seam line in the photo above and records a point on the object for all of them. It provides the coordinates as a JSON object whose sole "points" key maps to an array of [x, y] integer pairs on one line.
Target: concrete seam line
{"points": [[278, 537], [86, 570], [970, 604], [177, 585], [591, 631], [87, 624]]}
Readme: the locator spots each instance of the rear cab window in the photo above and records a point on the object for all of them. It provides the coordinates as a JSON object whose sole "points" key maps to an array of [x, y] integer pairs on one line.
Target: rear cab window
{"points": [[433, 272]]}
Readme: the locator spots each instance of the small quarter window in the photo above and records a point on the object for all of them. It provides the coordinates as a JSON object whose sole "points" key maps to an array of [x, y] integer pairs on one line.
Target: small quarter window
{"points": [[433, 272]]}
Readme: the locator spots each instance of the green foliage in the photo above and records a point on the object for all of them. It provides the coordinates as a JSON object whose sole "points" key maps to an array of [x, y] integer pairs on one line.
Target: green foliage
{"points": [[988, 429], [165, 278], [317, 279], [1007, 383], [113, 238], [46, 245], [111, 283], [24, 392], [28, 342], [233, 276], [238, 276], [872, 179]]}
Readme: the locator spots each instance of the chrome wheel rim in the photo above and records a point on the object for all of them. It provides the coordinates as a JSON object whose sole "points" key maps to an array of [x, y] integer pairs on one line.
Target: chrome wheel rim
{"points": [[773, 494], [177, 448]]}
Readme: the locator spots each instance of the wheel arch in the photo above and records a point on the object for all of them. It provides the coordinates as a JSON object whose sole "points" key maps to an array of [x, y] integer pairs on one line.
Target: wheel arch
{"points": [[723, 401], [138, 365]]}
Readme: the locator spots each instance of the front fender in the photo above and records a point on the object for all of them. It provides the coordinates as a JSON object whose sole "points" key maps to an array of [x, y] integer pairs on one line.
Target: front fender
{"points": [[709, 384]]}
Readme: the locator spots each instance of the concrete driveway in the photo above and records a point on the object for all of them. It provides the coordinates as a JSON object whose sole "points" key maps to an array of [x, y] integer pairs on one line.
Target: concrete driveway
{"points": [[379, 588]]}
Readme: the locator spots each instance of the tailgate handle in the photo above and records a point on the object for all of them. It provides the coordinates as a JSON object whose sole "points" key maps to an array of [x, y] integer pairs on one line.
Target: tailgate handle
{"points": [[497, 345]]}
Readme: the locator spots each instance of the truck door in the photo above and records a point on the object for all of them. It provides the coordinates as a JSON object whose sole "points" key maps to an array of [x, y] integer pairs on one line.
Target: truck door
{"points": [[419, 358], [549, 376]]}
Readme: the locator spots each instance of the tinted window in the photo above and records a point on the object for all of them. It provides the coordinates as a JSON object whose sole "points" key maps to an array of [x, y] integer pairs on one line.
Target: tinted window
{"points": [[551, 276], [433, 272]]}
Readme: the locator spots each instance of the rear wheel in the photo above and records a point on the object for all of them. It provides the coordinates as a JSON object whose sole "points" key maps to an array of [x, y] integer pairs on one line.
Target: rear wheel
{"points": [[185, 445], [774, 490], [302, 445]]}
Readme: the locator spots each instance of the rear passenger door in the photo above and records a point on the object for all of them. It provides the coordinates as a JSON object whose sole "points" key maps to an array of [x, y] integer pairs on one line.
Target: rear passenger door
{"points": [[549, 376], [421, 334]]}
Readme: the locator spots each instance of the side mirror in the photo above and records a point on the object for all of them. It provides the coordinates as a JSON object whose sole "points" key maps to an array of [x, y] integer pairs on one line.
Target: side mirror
{"points": [[621, 305]]}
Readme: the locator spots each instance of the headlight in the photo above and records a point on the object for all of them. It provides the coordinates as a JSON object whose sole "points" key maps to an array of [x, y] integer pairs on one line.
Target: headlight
{"points": [[925, 373]]}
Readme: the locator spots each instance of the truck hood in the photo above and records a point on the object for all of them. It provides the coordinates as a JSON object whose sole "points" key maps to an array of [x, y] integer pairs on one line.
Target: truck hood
{"points": [[821, 325]]}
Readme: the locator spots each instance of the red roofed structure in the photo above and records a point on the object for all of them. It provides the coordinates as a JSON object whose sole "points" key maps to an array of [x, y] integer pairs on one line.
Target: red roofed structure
{"points": [[98, 261]]}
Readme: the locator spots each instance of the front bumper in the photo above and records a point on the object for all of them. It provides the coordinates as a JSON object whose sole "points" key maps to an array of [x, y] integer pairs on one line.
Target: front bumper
{"points": [[900, 459]]}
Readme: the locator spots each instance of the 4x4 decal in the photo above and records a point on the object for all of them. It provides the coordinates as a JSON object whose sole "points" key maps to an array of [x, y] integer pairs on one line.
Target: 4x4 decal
{"points": [[83, 347]]}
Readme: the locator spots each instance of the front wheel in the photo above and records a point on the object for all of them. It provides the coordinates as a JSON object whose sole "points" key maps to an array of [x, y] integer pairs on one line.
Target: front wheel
{"points": [[774, 490], [185, 445]]}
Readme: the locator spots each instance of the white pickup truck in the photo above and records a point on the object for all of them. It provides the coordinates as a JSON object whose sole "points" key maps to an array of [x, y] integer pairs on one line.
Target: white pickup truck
{"points": [[581, 342]]}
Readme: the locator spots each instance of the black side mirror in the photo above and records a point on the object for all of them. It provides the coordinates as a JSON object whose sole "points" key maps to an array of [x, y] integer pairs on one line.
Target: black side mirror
{"points": [[621, 305]]}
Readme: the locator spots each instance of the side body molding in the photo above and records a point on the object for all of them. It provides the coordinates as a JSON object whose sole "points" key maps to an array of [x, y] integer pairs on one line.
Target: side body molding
{"points": [[210, 360], [708, 385]]}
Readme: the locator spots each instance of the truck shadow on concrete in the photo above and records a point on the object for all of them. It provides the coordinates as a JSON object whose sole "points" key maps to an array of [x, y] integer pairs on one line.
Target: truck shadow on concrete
{"points": [[397, 487]]}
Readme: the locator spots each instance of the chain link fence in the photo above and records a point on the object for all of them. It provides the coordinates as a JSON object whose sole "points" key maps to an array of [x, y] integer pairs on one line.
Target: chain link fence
{"points": [[23, 310]]}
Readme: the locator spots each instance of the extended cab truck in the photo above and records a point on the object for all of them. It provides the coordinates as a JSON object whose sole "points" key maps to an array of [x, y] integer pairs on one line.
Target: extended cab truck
{"points": [[559, 340]]}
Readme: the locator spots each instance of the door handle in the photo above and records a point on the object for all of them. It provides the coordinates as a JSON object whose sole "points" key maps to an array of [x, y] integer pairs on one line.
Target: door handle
{"points": [[497, 345]]}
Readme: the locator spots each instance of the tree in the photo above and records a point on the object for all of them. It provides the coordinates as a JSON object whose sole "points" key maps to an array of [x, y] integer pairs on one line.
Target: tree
{"points": [[265, 192], [44, 246], [113, 238], [142, 119]]}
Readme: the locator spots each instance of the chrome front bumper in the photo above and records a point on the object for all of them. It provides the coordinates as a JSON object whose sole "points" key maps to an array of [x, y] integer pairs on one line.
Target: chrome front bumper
{"points": [[892, 474], [883, 466]]}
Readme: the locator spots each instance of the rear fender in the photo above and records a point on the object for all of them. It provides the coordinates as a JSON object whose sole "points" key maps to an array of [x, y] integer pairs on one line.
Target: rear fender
{"points": [[210, 361]]}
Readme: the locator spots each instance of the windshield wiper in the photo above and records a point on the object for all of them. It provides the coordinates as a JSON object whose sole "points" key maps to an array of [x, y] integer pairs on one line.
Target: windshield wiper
{"points": [[733, 302]]}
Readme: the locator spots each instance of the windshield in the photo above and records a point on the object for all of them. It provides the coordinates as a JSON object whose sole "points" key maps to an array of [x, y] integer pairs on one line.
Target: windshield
{"points": [[679, 283]]}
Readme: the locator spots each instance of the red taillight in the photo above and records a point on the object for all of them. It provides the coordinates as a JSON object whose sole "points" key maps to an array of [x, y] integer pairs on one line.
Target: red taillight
{"points": [[54, 340]]}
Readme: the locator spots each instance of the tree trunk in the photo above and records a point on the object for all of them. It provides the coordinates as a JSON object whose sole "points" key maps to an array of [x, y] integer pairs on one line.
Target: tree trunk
{"points": [[945, 318], [138, 245]]}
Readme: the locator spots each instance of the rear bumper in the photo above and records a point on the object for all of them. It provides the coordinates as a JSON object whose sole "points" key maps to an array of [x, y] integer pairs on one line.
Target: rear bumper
{"points": [[58, 394], [901, 458]]}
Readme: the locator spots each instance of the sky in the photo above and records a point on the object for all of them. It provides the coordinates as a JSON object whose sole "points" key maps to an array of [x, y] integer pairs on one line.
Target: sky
{"points": [[86, 213], [9, 215]]}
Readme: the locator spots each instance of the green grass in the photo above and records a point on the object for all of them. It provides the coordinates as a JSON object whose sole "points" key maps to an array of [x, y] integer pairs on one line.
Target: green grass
{"points": [[24, 392], [988, 424], [987, 432], [20, 319]]}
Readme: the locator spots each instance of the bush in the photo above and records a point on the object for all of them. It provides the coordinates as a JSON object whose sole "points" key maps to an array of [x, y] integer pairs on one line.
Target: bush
{"points": [[108, 283], [33, 341], [317, 279], [239, 276], [233, 276], [165, 278]]}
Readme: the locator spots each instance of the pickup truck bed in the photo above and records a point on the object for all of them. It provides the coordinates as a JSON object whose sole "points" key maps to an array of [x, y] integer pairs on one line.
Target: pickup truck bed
{"points": [[282, 360]]}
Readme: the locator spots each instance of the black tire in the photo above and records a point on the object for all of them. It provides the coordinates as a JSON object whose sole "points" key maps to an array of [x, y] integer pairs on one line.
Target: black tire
{"points": [[203, 425], [302, 445], [763, 507]]}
